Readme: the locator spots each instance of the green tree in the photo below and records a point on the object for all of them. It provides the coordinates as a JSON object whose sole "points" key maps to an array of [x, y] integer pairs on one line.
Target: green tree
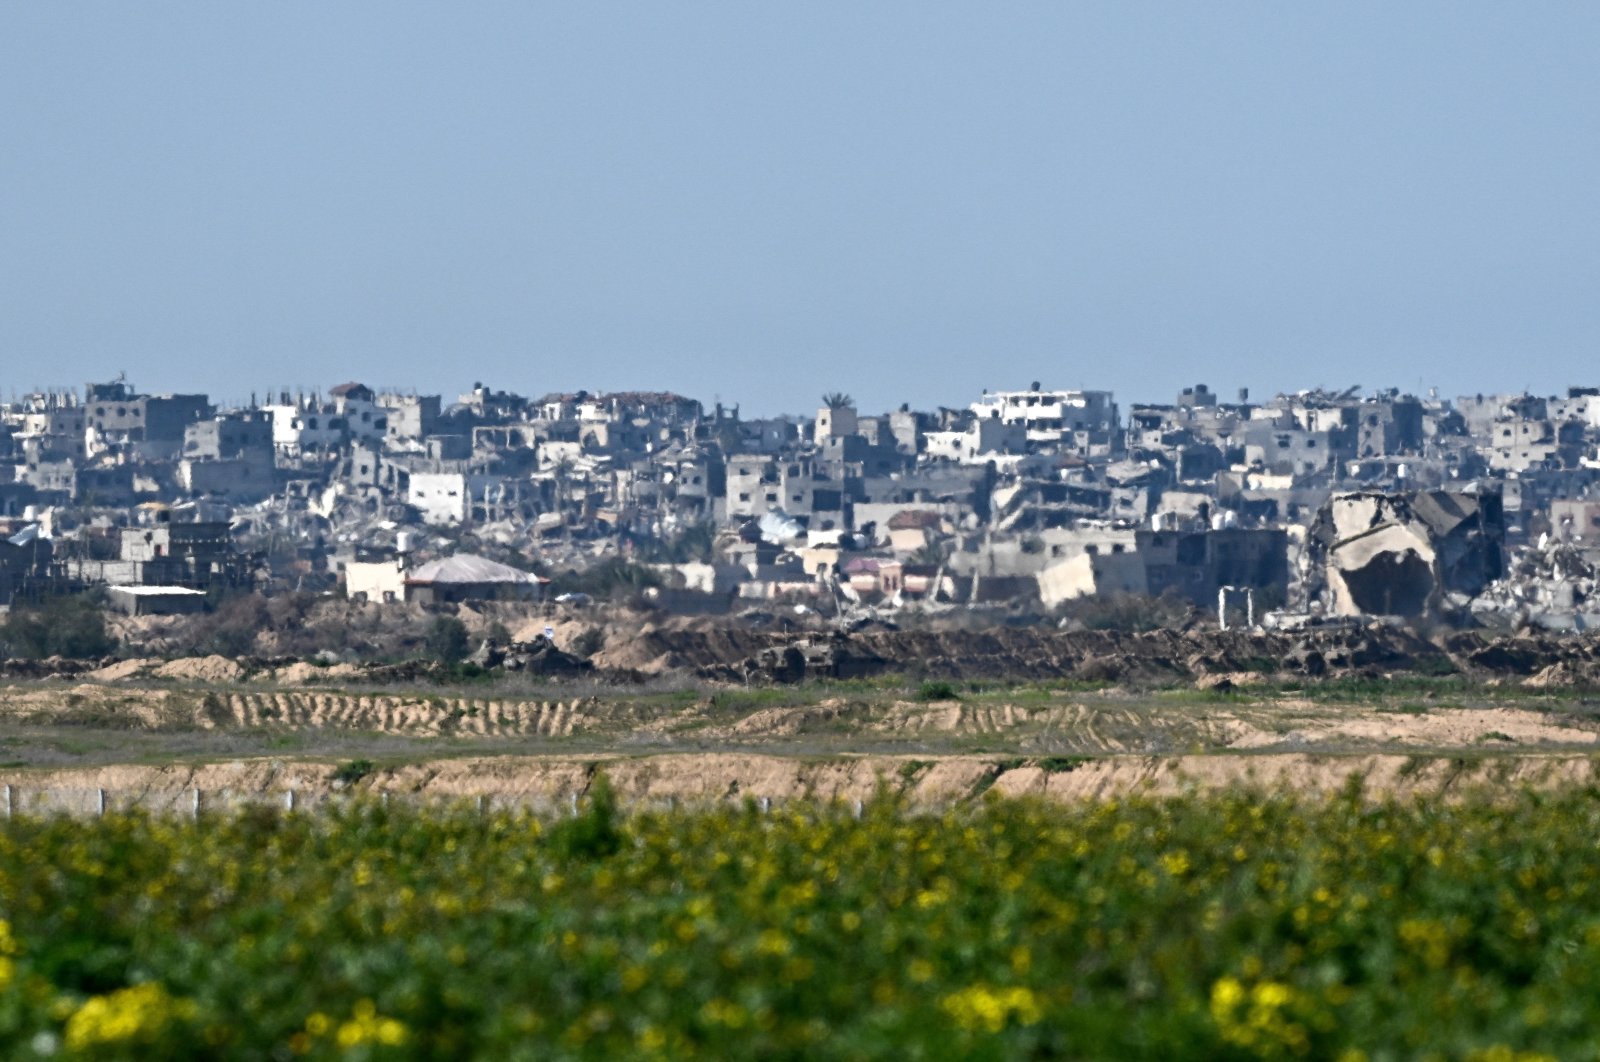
{"points": [[58, 626], [611, 579], [446, 640]]}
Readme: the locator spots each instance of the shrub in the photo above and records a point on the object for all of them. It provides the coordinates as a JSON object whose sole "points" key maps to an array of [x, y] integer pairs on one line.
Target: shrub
{"points": [[612, 579], [58, 626], [595, 833], [232, 630], [352, 772], [911, 770], [1126, 612], [937, 690], [1061, 764], [446, 640], [590, 642]]}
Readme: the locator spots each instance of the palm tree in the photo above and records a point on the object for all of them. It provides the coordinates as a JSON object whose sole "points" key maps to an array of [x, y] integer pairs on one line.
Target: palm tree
{"points": [[838, 400]]}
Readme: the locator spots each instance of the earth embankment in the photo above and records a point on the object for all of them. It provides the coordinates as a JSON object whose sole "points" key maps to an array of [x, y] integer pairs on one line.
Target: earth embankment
{"points": [[552, 783]]}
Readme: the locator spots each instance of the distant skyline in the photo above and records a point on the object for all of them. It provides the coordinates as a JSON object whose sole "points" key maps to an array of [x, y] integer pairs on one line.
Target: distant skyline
{"points": [[909, 202]]}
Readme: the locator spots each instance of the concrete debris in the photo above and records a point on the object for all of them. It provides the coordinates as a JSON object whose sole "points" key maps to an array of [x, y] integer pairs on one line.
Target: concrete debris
{"points": [[539, 657], [723, 651], [1551, 585], [1401, 554]]}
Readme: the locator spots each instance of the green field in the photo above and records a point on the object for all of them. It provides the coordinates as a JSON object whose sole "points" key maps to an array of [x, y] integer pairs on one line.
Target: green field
{"points": [[1223, 926]]}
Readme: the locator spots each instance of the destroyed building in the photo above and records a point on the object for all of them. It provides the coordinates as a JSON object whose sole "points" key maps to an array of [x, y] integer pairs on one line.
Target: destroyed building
{"points": [[1336, 501], [1407, 554]]}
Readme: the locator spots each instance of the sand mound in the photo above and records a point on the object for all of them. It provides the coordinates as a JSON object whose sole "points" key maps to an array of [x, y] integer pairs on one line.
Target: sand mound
{"points": [[1556, 676], [1461, 727], [784, 722], [201, 669], [1439, 729], [567, 631], [304, 674], [122, 669]]}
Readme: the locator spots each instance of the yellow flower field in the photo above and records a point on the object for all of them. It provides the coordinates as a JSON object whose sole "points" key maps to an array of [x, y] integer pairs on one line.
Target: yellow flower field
{"points": [[1224, 926]]}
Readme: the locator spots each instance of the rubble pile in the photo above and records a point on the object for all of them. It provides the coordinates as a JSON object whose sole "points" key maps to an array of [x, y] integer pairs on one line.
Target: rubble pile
{"points": [[1540, 658], [1551, 584], [717, 652], [1406, 554], [538, 657], [689, 649], [1037, 654]]}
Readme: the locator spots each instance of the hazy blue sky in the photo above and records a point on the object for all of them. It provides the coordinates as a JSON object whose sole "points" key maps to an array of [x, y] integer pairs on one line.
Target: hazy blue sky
{"points": [[906, 201]]}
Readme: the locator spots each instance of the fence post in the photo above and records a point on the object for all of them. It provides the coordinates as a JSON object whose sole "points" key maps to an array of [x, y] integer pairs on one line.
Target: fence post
{"points": [[194, 805], [856, 811], [288, 800], [573, 802], [8, 800], [100, 802]]}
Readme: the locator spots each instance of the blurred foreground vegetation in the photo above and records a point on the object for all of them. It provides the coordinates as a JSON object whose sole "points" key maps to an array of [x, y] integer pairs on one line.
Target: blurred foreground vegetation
{"points": [[1224, 926]]}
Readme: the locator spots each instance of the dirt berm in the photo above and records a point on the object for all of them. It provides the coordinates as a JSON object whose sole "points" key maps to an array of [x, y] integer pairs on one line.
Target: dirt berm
{"points": [[1038, 654], [728, 652], [545, 782]]}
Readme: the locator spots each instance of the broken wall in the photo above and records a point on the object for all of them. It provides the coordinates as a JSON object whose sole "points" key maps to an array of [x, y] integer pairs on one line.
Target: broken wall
{"points": [[1401, 554]]}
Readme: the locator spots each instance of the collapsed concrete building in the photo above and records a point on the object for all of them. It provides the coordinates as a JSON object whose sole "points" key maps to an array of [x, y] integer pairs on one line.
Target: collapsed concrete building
{"points": [[1024, 499], [1406, 553]]}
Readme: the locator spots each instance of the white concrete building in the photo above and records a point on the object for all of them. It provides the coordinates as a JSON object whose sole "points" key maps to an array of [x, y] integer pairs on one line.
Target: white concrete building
{"points": [[1050, 416], [982, 440], [442, 497]]}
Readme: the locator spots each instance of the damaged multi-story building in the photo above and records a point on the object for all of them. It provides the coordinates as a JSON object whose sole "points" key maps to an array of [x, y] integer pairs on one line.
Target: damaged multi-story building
{"points": [[1330, 502], [1406, 553]]}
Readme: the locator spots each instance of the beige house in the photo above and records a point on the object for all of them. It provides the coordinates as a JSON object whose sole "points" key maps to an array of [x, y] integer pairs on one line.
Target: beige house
{"points": [[375, 581]]}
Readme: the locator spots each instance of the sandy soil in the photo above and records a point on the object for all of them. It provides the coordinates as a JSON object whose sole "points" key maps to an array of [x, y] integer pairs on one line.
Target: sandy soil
{"points": [[124, 669], [539, 749], [198, 696], [209, 669], [303, 674], [201, 669], [698, 779]]}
